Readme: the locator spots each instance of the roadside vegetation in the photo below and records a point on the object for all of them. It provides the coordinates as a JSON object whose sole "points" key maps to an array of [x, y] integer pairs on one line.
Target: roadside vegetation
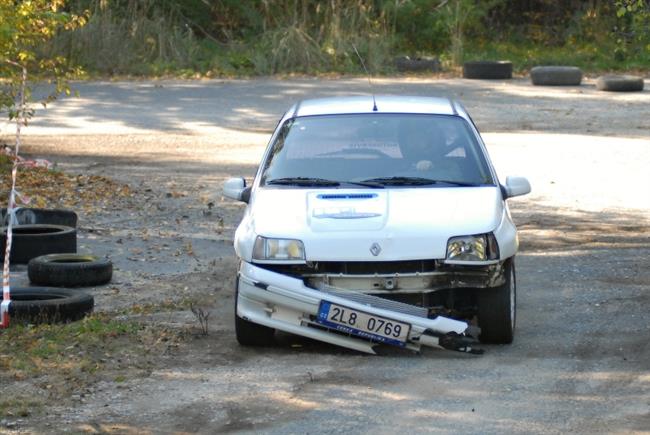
{"points": [[44, 187], [65, 362], [234, 38]]}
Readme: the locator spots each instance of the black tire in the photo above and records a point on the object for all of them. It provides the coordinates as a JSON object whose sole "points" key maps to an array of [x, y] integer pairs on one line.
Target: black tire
{"points": [[406, 64], [556, 76], [47, 305], [497, 309], [619, 83], [249, 333], [30, 241], [69, 270], [31, 216], [487, 69]]}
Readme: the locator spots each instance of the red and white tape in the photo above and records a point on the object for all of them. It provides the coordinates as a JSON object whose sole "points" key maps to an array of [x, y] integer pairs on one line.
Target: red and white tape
{"points": [[27, 163], [11, 214], [6, 287]]}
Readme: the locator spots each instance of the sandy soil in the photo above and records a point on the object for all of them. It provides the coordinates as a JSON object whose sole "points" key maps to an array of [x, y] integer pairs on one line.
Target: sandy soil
{"points": [[580, 359]]}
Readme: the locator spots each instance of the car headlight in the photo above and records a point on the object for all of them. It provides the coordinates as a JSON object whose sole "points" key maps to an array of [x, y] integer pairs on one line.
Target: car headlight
{"points": [[480, 247], [266, 249]]}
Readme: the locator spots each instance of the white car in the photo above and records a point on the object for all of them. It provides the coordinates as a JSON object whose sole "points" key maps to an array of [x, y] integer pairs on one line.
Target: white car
{"points": [[376, 221]]}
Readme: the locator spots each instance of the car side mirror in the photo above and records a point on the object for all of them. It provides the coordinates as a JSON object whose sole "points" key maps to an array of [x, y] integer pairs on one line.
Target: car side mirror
{"points": [[515, 186], [235, 188]]}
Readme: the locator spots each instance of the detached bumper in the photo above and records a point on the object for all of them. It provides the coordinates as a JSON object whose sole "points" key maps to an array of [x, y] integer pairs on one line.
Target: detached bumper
{"points": [[278, 301]]}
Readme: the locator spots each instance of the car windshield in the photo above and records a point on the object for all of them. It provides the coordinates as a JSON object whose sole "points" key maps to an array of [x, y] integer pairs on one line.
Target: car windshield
{"points": [[376, 150]]}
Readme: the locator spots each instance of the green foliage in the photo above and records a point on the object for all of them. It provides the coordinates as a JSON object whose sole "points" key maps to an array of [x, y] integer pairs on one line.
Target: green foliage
{"points": [[418, 26], [234, 37], [318, 37], [24, 27], [637, 8], [461, 15], [137, 37], [633, 29]]}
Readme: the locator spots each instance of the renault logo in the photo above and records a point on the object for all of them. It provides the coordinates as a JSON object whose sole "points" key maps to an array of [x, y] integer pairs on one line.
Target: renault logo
{"points": [[375, 249]]}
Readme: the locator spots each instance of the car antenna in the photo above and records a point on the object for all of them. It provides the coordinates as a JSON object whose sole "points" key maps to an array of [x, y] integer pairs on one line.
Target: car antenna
{"points": [[372, 91]]}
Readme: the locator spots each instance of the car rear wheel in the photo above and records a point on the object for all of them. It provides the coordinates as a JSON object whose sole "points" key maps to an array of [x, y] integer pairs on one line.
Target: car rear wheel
{"points": [[497, 309], [249, 333]]}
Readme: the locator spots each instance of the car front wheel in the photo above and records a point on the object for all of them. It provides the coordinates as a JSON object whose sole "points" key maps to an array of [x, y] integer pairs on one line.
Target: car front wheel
{"points": [[497, 309], [249, 333]]}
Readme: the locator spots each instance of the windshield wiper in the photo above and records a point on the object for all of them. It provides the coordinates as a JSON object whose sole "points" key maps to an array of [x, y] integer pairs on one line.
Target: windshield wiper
{"points": [[415, 181], [302, 181], [373, 184]]}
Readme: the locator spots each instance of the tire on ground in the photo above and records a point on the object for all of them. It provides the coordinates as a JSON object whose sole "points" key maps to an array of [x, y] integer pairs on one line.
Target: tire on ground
{"points": [[26, 216], [556, 76], [497, 309], [487, 69], [47, 305], [29, 241], [623, 83], [69, 270], [407, 64], [249, 333]]}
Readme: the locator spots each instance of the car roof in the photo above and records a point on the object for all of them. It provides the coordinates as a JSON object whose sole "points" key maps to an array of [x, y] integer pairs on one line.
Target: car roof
{"points": [[365, 104]]}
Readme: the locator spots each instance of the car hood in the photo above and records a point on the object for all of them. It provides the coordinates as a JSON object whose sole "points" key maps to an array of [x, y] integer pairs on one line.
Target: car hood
{"points": [[343, 225]]}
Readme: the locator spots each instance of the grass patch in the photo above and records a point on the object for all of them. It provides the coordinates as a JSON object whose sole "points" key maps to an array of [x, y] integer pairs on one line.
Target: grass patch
{"points": [[290, 52], [19, 407], [44, 364], [32, 350], [588, 57], [70, 356], [61, 360], [87, 346]]}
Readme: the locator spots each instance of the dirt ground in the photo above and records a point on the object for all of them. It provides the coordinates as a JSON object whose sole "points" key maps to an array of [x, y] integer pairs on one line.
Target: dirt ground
{"points": [[580, 360]]}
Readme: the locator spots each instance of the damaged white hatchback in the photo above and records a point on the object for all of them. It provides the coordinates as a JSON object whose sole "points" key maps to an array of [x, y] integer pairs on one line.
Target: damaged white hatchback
{"points": [[377, 221]]}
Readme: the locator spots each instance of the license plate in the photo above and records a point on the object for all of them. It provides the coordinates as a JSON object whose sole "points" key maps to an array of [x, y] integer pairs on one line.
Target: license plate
{"points": [[363, 324]]}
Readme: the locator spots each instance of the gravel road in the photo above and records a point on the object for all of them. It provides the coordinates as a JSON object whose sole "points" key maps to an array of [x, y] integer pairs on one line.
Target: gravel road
{"points": [[580, 361]]}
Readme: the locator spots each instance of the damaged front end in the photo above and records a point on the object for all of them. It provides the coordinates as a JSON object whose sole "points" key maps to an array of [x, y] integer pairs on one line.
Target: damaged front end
{"points": [[362, 305], [444, 289]]}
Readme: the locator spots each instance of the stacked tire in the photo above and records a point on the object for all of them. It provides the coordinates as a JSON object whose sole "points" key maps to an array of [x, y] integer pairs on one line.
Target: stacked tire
{"points": [[26, 216], [33, 240], [42, 239], [38, 232]]}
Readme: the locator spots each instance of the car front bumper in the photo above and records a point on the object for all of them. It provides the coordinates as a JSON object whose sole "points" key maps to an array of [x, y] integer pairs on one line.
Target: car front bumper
{"points": [[284, 303]]}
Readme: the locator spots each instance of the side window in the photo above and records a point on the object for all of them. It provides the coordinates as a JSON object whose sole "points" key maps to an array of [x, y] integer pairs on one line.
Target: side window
{"points": [[278, 145]]}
